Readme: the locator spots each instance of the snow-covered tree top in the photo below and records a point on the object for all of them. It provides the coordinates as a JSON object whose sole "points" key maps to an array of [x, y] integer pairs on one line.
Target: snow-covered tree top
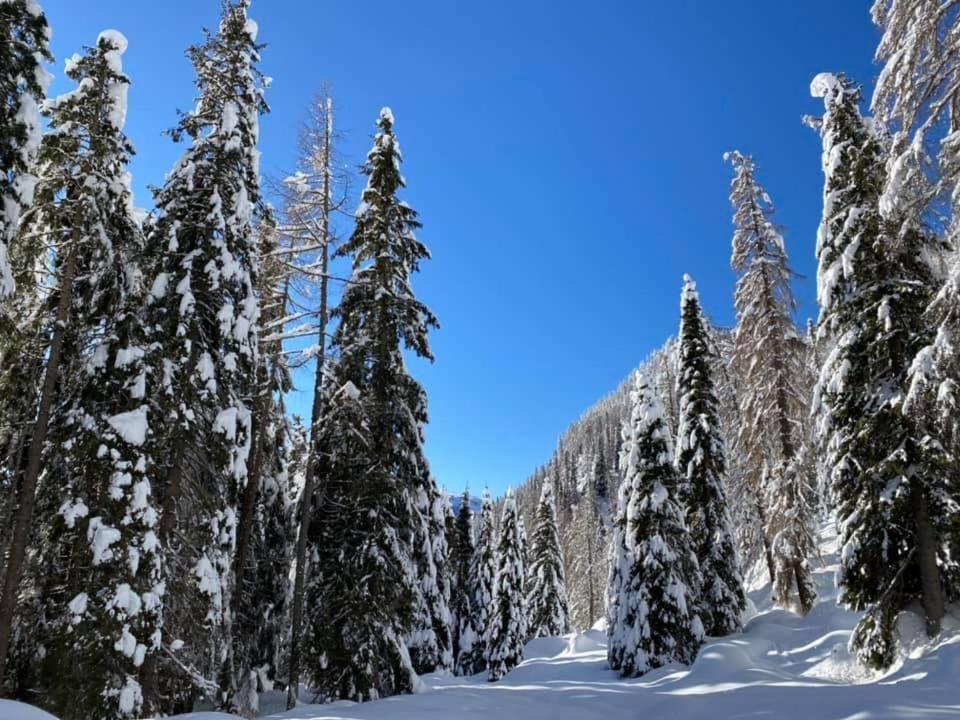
{"points": [[689, 290], [826, 84], [546, 492], [114, 39]]}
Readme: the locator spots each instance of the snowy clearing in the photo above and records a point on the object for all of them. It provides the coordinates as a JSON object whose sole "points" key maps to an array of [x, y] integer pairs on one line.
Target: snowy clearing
{"points": [[781, 667]]}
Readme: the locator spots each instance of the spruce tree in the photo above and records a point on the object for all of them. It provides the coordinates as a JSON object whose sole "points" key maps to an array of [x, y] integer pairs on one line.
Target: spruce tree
{"points": [[702, 466], [105, 613], [915, 103], [657, 620], [888, 479], [462, 606], [203, 312], [506, 633], [547, 597], [376, 529], [620, 562], [23, 83], [769, 352], [431, 641], [483, 573]]}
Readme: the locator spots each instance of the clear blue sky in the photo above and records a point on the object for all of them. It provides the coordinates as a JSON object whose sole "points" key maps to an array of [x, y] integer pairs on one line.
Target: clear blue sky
{"points": [[565, 158]]}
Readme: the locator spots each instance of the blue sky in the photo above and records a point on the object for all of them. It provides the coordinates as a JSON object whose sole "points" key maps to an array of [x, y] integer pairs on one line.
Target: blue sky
{"points": [[566, 159]]}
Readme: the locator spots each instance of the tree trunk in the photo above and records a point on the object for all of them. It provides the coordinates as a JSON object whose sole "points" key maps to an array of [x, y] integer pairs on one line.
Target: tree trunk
{"points": [[931, 591], [767, 550], [799, 574], [23, 520]]}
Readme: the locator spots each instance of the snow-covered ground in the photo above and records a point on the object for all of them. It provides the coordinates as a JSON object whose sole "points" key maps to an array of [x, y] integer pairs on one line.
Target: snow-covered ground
{"points": [[780, 668]]}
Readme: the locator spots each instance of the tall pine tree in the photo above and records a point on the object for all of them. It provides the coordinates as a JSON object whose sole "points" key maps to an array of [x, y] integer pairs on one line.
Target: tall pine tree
{"points": [[507, 631], [105, 613], [203, 312], [915, 103], [701, 464], [372, 532], [547, 597], [620, 561], [887, 475], [462, 606], [657, 620], [483, 573]]}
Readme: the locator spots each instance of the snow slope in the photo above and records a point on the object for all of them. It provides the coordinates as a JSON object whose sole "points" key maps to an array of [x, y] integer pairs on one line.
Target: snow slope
{"points": [[782, 667]]}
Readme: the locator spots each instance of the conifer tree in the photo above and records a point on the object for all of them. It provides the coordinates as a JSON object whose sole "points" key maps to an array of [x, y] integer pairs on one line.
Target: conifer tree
{"points": [[373, 530], [702, 466], [620, 561], [657, 621], [507, 631], [23, 83], [82, 218], [105, 616], [769, 353], [462, 605], [483, 573], [203, 311], [547, 597], [431, 642], [887, 477], [915, 103]]}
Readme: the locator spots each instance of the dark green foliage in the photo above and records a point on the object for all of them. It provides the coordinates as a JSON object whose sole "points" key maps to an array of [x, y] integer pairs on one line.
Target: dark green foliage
{"points": [[888, 478], [701, 464], [372, 537], [507, 631], [547, 597]]}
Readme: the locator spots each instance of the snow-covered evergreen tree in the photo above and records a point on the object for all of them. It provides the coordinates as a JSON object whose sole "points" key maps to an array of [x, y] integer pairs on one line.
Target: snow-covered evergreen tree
{"points": [[431, 642], [547, 597], [507, 629], [915, 102], [483, 572], [701, 464], [769, 353], [373, 541], [462, 610], [657, 620], [619, 563], [203, 311], [888, 479], [105, 616], [23, 83]]}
